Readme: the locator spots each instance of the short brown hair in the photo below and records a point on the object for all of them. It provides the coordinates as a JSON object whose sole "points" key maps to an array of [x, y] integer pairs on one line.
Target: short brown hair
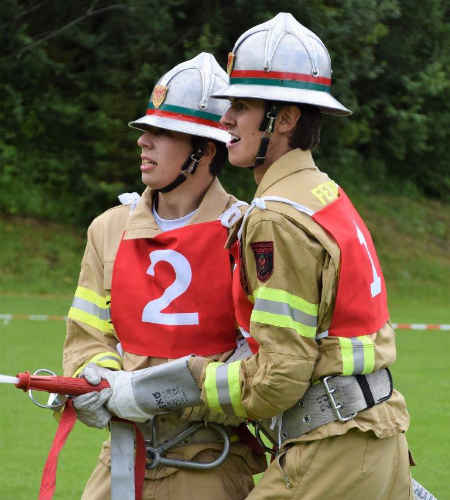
{"points": [[306, 134], [218, 162]]}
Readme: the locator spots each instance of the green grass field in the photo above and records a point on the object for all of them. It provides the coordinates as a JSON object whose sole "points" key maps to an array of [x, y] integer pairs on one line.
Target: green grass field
{"points": [[26, 431], [38, 257]]}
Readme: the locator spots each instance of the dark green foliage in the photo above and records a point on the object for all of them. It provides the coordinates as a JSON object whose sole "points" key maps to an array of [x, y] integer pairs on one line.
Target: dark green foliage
{"points": [[74, 73]]}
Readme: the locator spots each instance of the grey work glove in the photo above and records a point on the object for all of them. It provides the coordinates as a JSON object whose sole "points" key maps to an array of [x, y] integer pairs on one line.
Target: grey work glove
{"points": [[140, 394], [90, 407]]}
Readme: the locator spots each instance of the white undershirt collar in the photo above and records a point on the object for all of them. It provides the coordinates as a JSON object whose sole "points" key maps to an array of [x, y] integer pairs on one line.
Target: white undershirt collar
{"points": [[169, 224]]}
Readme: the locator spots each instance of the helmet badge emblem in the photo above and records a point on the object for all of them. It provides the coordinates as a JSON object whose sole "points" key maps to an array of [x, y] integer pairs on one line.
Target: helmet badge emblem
{"points": [[230, 63], [159, 95]]}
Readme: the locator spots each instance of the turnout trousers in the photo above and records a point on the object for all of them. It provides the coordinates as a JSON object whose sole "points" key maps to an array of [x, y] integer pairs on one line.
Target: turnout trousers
{"points": [[354, 466], [232, 480]]}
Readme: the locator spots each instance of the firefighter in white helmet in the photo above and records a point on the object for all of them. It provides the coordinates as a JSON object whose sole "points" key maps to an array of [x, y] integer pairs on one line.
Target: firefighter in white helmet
{"points": [[155, 285], [310, 293]]}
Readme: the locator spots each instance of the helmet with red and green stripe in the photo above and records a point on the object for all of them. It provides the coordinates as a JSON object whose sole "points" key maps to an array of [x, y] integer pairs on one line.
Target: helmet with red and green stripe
{"points": [[282, 60], [181, 100]]}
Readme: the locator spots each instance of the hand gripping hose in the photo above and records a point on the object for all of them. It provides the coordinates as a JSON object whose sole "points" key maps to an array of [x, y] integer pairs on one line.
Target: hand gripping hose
{"points": [[56, 384]]}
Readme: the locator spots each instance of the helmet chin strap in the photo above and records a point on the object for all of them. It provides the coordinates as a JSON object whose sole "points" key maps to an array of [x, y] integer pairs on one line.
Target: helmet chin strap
{"points": [[271, 110], [189, 167]]}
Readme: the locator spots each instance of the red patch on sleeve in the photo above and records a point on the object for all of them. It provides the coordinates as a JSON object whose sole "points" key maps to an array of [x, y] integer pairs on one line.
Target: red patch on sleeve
{"points": [[263, 251]]}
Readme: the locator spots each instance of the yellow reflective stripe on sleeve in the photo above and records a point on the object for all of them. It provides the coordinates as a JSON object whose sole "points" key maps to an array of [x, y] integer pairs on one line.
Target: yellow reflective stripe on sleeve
{"points": [[91, 308], [347, 355], [369, 354], [277, 295], [93, 297], [280, 308], [223, 388], [283, 322], [358, 355], [234, 385], [91, 320], [108, 359], [211, 392]]}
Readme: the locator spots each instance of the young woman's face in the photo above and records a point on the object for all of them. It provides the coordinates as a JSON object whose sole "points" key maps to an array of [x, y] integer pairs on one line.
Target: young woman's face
{"points": [[163, 153], [242, 120]]}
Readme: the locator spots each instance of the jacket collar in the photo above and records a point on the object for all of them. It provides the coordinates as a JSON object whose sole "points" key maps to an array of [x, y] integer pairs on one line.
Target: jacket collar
{"points": [[291, 162], [142, 224]]}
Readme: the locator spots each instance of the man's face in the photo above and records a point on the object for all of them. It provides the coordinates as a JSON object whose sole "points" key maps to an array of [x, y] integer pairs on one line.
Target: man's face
{"points": [[242, 120], [163, 152]]}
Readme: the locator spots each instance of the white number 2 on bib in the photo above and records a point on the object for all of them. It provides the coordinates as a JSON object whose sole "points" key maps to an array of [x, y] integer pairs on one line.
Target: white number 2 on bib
{"points": [[183, 276]]}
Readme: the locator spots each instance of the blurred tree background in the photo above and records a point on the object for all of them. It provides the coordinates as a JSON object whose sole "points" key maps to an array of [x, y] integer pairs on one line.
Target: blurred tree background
{"points": [[73, 74]]}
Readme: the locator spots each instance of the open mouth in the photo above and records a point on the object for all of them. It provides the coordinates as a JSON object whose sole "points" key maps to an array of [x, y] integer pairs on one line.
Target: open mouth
{"points": [[234, 140], [147, 162]]}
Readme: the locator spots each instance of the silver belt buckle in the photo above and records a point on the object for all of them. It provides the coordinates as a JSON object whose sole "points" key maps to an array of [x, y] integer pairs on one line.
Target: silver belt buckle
{"points": [[336, 407]]}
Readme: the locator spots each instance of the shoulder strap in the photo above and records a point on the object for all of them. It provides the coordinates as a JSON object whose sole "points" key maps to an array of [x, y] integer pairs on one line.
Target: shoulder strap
{"points": [[261, 204], [129, 199]]}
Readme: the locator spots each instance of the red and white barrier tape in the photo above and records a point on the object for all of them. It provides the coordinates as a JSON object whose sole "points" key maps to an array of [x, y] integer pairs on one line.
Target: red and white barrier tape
{"points": [[6, 318], [419, 326]]}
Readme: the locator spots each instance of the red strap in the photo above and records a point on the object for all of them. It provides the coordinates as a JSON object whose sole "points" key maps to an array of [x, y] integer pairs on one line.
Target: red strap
{"points": [[48, 481], [139, 466], [65, 426]]}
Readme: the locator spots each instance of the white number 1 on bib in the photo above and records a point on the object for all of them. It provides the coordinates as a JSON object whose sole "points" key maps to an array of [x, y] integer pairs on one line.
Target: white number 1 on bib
{"points": [[375, 286]]}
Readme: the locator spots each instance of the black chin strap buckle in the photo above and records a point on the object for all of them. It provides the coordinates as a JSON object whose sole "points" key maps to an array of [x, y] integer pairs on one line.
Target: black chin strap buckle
{"points": [[271, 116], [194, 158], [267, 126], [189, 167]]}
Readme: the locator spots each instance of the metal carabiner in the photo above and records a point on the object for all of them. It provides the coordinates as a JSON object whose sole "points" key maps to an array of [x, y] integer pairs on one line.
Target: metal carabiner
{"points": [[157, 458], [55, 400]]}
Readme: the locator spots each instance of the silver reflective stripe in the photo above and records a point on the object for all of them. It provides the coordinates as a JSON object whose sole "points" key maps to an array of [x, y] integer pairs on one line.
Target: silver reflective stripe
{"points": [[122, 461], [358, 355], [285, 310], [223, 389], [91, 308]]}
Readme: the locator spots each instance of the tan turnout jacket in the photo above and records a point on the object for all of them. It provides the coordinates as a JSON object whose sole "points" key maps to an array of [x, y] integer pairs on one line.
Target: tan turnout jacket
{"points": [[91, 336], [306, 266]]}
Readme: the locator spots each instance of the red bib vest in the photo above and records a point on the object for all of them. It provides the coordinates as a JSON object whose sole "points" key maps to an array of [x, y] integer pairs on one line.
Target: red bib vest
{"points": [[242, 305], [361, 301], [171, 294]]}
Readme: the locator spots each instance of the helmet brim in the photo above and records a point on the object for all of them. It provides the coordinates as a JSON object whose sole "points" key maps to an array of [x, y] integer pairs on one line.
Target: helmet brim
{"points": [[325, 101], [184, 127]]}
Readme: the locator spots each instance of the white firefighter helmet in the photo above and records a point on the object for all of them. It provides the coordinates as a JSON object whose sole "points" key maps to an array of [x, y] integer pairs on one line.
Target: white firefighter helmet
{"points": [[181, 100], [282, 60]]}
